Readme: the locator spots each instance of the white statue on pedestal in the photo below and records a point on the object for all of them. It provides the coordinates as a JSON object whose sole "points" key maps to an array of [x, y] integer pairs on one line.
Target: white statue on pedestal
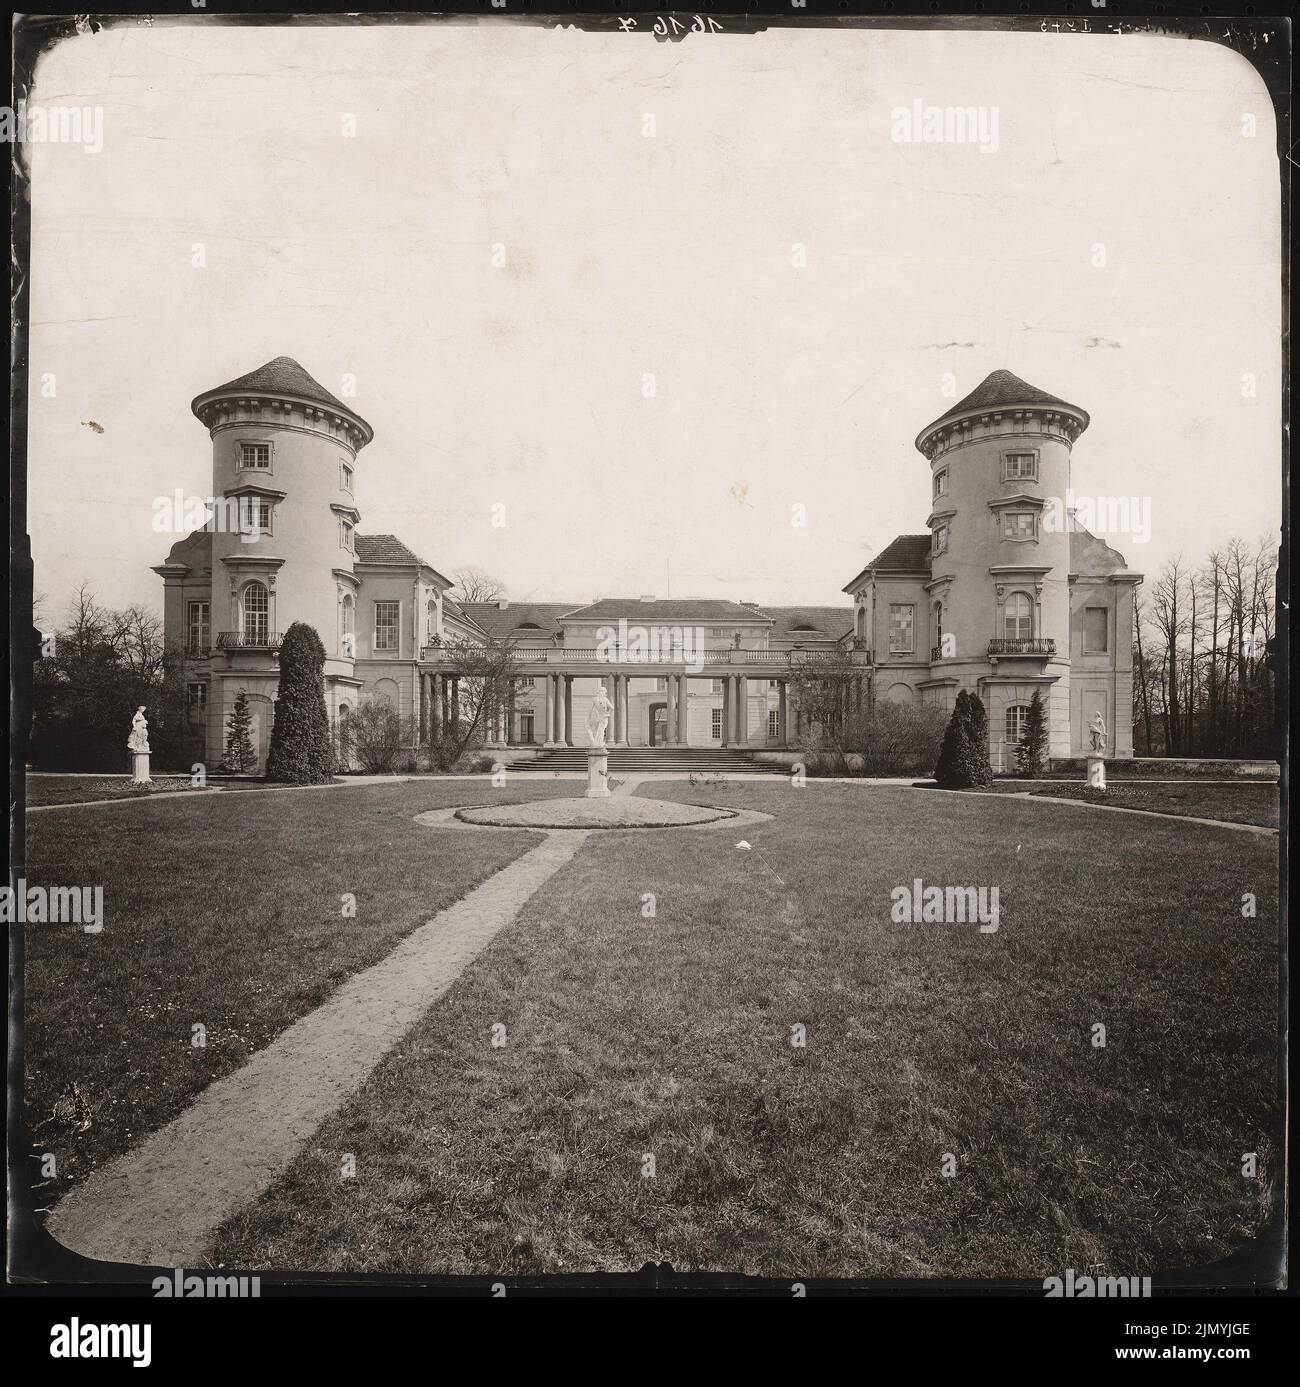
{"points": [[598, 717], [139, 738], [1097, 733]]}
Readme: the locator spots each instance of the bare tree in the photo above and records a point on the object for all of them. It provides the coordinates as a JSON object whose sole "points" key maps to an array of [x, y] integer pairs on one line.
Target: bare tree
{"points": [[484, 675], [473, 585]]}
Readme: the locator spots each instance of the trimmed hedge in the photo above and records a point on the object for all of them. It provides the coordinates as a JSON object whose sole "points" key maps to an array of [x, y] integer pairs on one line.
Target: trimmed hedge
{"points": [[964, 756], [301, 753]]}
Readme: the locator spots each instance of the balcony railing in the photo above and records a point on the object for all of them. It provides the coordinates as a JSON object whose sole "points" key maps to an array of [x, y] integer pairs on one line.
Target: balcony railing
{"points": [[936, 653], [668, 655], [1033, 645], [248, 640]]}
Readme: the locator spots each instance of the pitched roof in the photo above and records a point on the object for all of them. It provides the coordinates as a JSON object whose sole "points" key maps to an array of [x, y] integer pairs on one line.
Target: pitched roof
{"points": [[385, 549], [666, 609], [1001, 390], [828, 623], [283, 376], [501, 622]]}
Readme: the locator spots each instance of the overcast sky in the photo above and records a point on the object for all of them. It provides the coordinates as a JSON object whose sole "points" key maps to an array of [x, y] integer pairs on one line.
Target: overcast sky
{"points": [[370, 255]]}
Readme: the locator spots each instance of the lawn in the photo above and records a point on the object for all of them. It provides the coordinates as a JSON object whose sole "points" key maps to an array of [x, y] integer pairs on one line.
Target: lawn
{"points": [[1246, 803], [670, 1037], [223, 912]]}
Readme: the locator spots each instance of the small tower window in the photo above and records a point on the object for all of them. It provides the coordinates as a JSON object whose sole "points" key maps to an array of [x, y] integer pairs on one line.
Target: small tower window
{"points": [[940, 539], [255, 455], [345, 477], [1019, 524], [345, 536], [1020, 466], [941, 483]]}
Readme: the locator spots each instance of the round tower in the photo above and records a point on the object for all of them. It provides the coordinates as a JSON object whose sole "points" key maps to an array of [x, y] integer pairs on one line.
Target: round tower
{"points": [[284, 454], [999, 594]]}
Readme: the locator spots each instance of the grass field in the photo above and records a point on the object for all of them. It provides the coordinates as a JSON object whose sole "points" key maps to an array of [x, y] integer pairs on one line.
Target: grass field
{"points": [[77, 789], [1246, 803], [630, 1037], [225, 912]]}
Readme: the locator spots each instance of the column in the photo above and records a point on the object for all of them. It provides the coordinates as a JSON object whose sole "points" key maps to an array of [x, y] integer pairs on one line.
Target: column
{"points": [[454, 681], [511, 736], [782, 731], [548, 710], [670, 722], [742, 710], [728, 703], [683, 710], [567, 738], [435, 705], [620, 710]]}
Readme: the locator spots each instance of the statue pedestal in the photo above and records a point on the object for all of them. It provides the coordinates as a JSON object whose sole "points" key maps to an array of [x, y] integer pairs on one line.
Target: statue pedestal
{"points": [[1096, 773], [140, 767], [597, 773]]}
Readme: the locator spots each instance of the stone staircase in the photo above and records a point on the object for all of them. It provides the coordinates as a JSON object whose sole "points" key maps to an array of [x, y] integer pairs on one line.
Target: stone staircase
{"points": [[704, 760]]}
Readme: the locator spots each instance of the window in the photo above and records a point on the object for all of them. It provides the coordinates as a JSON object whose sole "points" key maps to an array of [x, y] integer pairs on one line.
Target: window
{"points": [[387, 619], [1023, 466], [940, 539], [715, 686], [1017, 715], [199, 620], [345, 536], [345, 477], [527, 681], [941, 483], [661, 684], [430, 622], [254, 515], [1096, 630], [773, 724], [196, 699], [347, 624], [257, 611], [900, 628], [256, 455], [1018, 617], [937, 619], [1019, 524], [716, 731]]}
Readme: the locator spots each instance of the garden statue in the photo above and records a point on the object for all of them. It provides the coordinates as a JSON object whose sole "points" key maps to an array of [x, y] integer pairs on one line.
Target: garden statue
{"points": [[138, 745], [1097, 733], [598, 717]]}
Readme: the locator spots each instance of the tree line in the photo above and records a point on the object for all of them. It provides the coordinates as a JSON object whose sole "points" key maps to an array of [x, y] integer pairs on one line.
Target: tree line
{"points": [[1203, 655]]}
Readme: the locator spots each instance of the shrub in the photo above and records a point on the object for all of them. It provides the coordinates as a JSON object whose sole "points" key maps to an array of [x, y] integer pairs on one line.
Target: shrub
{"points": [[1032, 751], [240, 755], [301, 749], [964, 757], [897, 738], [375, 736]]}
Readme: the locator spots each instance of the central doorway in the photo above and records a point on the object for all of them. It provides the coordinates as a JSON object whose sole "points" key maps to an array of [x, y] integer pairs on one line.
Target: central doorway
{"points": [[658, 724]]}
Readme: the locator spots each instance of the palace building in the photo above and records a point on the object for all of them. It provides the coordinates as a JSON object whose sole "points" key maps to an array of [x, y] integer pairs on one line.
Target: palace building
{"points": [[995, 597]]}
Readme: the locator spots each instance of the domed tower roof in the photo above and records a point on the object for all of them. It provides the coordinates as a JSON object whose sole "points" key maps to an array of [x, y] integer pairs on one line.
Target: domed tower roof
{"points": [[998, 392], [285, 379]]}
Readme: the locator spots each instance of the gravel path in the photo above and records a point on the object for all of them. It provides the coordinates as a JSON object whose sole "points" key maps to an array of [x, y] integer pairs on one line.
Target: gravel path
{"points": [[158, 1204]]}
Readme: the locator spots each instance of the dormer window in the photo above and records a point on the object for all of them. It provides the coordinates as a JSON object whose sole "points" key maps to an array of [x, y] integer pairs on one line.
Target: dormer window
{"points": [[1020, 467], [941, 483], [256, 456]]}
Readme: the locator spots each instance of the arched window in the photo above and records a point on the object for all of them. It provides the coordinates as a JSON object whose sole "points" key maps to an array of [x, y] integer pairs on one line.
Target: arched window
{"points": [[861, 623], [347, 625], [1018, 617], [257, 611], [1017, 713], [430, 622]]}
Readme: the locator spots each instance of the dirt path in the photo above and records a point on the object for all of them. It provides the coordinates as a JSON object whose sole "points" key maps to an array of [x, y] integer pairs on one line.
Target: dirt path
{"points": [[158, 1204]]}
